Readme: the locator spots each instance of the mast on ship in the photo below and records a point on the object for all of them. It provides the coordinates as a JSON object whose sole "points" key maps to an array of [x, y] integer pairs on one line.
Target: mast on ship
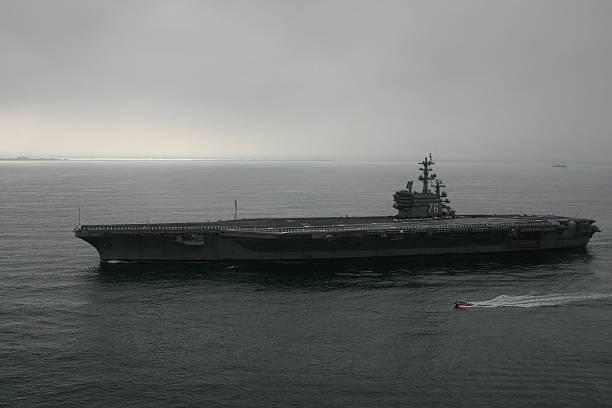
{"points": [[426, 169]]}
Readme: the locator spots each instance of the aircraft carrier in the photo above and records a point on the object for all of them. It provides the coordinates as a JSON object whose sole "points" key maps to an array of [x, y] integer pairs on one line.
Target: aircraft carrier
{"points": [[425, 224]]}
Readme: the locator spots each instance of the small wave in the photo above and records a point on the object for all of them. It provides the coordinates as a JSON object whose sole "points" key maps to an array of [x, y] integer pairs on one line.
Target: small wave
{"points": [[540, 300], [600, 243]]}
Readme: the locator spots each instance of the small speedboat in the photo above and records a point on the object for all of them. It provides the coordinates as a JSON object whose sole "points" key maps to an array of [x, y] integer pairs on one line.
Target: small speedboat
{"points": [[463, 303]]}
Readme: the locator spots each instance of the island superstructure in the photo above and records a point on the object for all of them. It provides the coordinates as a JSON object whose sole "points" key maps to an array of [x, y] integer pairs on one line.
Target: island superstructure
{"points": [[425, 224]]}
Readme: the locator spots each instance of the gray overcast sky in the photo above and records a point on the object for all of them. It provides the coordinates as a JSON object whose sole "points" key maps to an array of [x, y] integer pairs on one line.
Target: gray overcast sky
{"points": [[307, 79]]}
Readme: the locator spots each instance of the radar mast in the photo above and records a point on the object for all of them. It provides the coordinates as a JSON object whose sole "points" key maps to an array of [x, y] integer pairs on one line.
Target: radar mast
{"points": [[426, 177]]}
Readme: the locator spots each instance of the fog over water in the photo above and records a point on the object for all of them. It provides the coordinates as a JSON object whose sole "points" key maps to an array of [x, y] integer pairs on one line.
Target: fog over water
{"points": [[282, 79]]}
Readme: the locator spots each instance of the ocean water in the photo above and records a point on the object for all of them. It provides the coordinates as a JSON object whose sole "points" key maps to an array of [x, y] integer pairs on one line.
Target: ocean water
{"points": [[362, 333]]}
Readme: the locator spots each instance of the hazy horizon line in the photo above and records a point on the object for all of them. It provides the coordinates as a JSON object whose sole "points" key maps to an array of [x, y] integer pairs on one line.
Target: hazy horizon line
{"points": [[25, 158]]}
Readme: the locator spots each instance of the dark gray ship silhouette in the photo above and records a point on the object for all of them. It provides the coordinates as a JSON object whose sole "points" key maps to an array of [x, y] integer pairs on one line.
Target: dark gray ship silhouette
{"points": [[425, 224]]}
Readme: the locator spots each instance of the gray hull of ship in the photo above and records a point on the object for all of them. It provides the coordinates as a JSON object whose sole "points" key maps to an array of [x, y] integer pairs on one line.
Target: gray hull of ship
{"points": [[237, 243]]}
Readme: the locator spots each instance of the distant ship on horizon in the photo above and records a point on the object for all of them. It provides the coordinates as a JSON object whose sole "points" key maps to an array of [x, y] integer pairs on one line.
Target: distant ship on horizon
{"points": [[559, 164]]}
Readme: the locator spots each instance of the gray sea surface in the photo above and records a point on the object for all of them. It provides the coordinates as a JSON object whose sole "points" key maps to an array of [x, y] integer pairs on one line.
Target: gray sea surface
{"points": [[336, 334]]}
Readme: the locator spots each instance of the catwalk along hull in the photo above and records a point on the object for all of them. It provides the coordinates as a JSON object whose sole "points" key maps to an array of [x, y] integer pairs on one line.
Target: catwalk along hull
{"points": [[333, 238]]}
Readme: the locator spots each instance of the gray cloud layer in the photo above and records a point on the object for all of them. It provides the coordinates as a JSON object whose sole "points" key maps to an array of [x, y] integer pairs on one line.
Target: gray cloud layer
{"points": [[344, 79]]}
